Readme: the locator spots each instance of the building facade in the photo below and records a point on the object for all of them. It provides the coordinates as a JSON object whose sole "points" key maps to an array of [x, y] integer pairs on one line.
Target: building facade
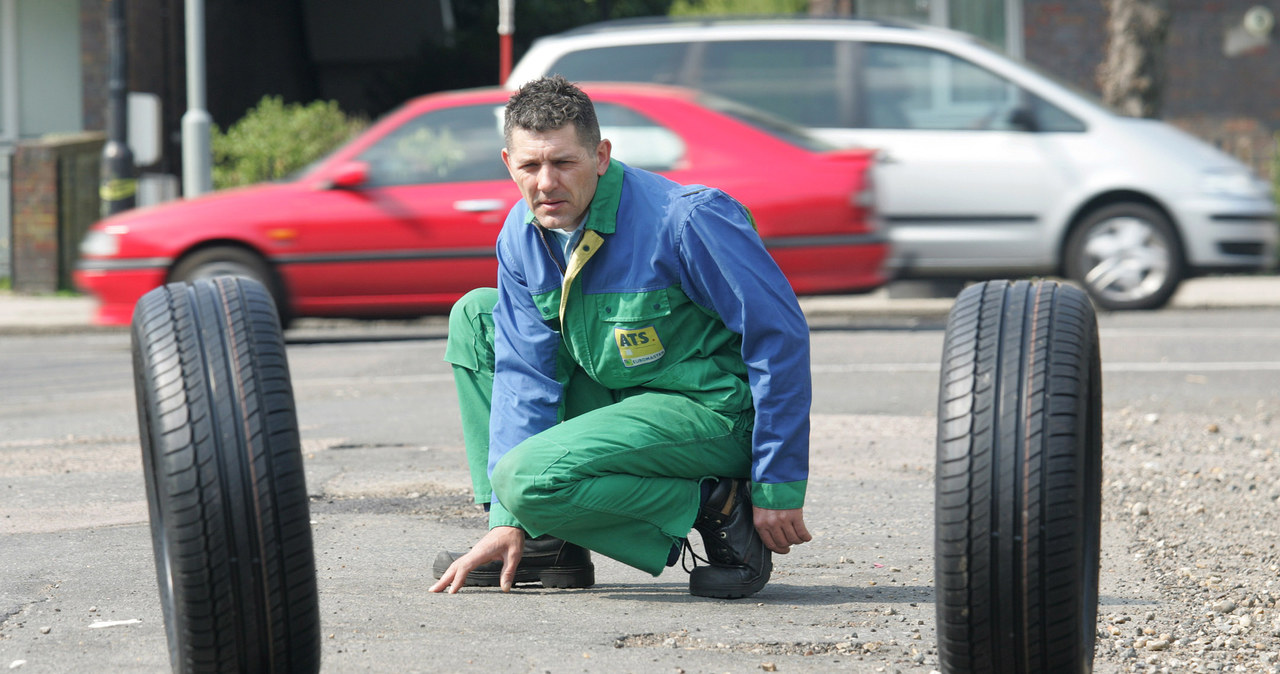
{"points": [[1223, 66]]}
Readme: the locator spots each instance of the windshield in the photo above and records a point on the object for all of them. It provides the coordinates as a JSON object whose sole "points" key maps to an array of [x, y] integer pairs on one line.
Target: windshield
{"points": [[774, 126]]}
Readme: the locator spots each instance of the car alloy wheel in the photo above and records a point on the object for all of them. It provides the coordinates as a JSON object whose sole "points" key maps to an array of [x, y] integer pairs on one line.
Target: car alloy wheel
{"points": [[1127, 257]]}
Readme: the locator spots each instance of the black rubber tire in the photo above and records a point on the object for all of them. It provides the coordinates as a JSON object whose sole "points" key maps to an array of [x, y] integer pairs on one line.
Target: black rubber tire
{"points": [[1133, 237], [208, 263], [1019, 481], [223, 469]]}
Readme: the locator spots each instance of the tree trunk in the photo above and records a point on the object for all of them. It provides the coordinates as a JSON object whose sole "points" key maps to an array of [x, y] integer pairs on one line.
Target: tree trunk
{"points": [[1132, 75]]}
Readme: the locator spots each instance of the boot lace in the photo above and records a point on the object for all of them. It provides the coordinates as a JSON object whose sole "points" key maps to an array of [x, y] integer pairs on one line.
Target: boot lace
{"points": [[686, 552]]}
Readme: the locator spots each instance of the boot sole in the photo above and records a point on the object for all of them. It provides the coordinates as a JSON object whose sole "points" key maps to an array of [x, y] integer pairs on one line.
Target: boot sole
{"points": [[701, 588], [562, 577], [735, 591]]}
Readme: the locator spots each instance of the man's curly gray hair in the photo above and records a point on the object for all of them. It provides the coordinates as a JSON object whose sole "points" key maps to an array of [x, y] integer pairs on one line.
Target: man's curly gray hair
{"points": [[549, 103]]}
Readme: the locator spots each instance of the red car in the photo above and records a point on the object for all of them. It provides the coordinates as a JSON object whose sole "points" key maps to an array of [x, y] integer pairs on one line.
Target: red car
{"points": [[402, 220]]}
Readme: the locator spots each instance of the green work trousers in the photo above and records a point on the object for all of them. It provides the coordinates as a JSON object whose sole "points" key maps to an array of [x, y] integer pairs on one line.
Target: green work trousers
{"points": [[619, 476]]}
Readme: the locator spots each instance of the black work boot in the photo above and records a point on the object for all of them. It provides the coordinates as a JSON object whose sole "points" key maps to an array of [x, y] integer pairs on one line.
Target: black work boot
{"points": [[546, 559], [740, 563]]}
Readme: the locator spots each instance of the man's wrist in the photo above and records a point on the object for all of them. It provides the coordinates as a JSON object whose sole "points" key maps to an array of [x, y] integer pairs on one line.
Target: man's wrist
{"points": [[779, 496]]}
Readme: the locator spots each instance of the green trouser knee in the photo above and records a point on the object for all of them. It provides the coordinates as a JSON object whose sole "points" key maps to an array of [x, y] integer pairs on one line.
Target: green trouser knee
{"points": [[470, 350], [620, 476]]}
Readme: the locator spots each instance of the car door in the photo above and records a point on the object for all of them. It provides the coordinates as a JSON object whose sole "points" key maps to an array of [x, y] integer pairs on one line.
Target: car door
{"points": [[963, 178], [419, 231]]}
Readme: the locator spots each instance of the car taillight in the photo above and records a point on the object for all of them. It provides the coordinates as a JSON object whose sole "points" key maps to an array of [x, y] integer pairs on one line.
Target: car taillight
{"points": [[864, 199]]}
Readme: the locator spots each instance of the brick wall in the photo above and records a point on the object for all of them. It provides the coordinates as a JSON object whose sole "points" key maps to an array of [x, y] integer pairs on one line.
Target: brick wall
{"points": [[1232, 101], [54, 201]]}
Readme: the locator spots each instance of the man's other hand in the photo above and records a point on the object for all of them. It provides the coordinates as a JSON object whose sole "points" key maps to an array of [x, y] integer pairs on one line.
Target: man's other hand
{"points": [[780, 529]]}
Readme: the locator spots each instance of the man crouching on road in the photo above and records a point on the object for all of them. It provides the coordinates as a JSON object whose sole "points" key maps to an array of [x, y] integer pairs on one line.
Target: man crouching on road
{"points": [[641, 370]]}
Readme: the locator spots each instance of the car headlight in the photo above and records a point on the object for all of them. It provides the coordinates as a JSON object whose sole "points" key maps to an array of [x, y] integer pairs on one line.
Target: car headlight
{"points": [[1232, 183], [99, 243]]}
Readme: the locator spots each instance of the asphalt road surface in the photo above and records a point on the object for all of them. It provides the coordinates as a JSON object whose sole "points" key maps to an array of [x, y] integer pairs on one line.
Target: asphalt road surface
{"points": [[386, 471]]}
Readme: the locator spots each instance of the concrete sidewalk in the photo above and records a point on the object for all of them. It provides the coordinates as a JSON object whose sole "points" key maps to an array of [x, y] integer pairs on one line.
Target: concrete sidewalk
{"points": [[44, 314]]}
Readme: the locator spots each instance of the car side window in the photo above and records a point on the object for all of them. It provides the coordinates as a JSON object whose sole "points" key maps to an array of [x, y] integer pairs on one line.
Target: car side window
{"points": [[795, 79], [1051, 118], [661, 63], [459, 144], [637, 140], [918, 88]]}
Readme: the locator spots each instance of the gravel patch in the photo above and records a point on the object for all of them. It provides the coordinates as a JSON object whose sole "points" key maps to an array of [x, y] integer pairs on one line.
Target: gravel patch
{"points": [[1197, 498]]}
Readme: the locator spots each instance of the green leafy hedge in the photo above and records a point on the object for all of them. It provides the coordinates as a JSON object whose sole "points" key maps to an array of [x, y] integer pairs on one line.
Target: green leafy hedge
{"points": [[274, 140]]}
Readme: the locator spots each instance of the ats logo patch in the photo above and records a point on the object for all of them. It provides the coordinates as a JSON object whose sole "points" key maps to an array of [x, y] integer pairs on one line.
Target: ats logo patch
{"points": [[638, 346]]}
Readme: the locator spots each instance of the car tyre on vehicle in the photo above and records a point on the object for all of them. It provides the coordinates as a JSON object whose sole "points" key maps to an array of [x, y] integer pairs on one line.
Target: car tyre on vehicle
{"points": [[1019, 480], [1127, 256], [222, 463]]}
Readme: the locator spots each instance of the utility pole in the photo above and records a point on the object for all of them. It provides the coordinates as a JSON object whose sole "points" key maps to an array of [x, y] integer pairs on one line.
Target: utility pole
{"points": [[197, 152], [506, 26], [118, 188]]}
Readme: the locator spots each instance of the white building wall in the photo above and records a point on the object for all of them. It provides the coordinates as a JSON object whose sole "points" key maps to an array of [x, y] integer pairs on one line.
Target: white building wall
{"points": [[40, 87]]}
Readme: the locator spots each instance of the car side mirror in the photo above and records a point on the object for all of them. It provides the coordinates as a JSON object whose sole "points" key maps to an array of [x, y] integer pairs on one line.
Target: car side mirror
{"points": [[1023, 119], [348, 176]]}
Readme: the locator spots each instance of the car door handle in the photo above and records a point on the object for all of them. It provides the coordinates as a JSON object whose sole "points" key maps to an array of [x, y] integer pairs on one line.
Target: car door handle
{"points": [[478, 205]]}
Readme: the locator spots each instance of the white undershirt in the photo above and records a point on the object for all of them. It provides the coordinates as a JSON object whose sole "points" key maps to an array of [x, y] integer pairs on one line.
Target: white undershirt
{"points": [[566, 240]]}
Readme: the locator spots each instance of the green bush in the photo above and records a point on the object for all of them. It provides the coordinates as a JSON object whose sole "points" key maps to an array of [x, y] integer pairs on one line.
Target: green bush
{"points": [[728, 7], [274, 140], [1275, 167]]}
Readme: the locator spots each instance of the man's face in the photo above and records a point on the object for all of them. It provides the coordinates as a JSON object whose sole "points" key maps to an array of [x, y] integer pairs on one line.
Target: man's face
{"points": [[557, 175]]}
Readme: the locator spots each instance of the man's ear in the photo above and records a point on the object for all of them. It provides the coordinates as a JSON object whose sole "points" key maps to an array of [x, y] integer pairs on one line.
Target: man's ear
{"points": [[506, 161], [603, 151]]}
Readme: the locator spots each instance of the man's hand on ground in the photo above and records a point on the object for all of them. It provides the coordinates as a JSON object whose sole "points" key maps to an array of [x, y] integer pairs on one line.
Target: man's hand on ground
{"points": [[504, 543], [781, 529]]}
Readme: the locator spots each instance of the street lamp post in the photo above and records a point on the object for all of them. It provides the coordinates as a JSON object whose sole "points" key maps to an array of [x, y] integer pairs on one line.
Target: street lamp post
{"points": [[197, 154], [118, 188]]}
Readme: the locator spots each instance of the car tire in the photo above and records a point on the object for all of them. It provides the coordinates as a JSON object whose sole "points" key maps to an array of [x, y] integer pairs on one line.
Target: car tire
{"points": [[1019, 480], [222, 463], [1127, 256], [208, 263]]}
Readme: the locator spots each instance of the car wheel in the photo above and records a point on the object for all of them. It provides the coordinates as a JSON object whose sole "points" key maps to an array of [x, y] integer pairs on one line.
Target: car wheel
{"points": [[1127, 256], [228, 261], [1018, 497], [226, 495]]}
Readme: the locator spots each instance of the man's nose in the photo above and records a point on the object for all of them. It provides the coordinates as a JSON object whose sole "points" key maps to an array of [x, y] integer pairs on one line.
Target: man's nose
{"points": [[547, 179]]}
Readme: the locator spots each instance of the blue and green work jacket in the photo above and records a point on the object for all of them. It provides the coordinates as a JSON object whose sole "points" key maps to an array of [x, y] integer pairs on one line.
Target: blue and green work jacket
{"points": [[668, 288]]}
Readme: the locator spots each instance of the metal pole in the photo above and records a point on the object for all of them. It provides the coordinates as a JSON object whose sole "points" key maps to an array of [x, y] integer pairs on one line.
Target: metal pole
{"points": [[10, 100], [197, 155], [506, 26], [118, 188]]}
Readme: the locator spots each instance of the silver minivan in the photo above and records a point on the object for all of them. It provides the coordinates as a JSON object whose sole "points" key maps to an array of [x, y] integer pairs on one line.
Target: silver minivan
{"points": [[988, 168]]}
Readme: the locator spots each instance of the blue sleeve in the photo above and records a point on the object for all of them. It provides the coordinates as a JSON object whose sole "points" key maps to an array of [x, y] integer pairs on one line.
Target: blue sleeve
{"points": [[725, 268], [526, 392]]}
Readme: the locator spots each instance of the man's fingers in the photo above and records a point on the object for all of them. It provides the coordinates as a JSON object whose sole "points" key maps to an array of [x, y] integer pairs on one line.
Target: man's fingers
{"points": [[459, 579], [446, 579], [510, 562], [767, 537], [508, 576], [802, 533]]}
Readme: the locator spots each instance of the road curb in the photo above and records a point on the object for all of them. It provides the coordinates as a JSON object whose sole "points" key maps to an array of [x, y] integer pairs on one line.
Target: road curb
{"points": [[34, 315]]}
